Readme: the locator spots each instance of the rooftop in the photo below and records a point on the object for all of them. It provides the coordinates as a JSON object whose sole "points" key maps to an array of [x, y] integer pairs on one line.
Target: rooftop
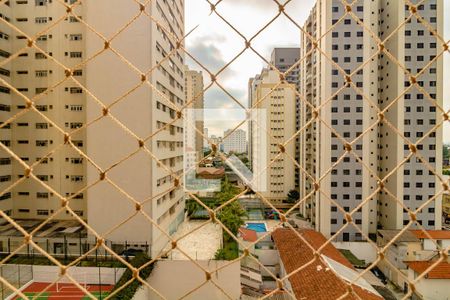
{"points": [[248, 234], [440, 271], [52, 229], [434, 234], [327, 276]]}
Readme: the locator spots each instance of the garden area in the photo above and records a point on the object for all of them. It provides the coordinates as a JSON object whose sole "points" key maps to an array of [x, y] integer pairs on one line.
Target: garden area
{"points": [[232, 217]]}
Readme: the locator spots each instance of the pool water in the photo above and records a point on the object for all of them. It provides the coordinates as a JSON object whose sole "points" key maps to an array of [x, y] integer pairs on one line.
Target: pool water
{"points": [[258, 227]]}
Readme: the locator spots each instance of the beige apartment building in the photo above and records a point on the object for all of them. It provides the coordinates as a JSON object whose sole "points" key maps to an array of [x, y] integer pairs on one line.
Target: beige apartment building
{"points": [[278, 116], [351, 112], [30, 136], [146, 108], [194, 92]]}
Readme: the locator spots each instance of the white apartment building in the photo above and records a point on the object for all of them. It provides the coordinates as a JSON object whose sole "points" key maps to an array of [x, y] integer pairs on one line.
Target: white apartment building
{"points": [[351, 113], [279, 112], [235, 142], [194, 91], [205, 141], [144, 111], [283, 59], [30, 136], [107, 77]]}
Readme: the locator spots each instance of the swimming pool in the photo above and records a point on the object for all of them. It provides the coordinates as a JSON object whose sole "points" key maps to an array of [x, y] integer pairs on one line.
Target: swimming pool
{"points": [[258, 227]]}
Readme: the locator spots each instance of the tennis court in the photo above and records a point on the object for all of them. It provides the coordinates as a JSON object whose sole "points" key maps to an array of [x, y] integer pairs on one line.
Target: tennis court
{"points": [[65, 291]]}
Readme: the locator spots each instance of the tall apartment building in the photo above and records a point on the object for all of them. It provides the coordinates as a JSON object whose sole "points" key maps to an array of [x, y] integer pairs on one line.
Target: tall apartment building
{"points": [[278, 109], [236, 141], [144, 110], [194, 91], [351, 113], [283, 59], [31, 136]]}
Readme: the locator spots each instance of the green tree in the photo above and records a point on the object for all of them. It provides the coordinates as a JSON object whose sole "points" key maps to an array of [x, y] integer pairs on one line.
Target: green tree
{"points": [[220, 254], [192, 206], [231, 216], [293, 196]]}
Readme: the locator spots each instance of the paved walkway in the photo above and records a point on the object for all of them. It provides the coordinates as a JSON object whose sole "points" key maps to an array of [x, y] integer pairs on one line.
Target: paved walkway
{"points": [[201, 244]]}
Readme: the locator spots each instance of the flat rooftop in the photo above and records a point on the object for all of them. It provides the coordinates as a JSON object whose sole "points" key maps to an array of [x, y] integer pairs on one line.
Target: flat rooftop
{"points": [[52, 229]]}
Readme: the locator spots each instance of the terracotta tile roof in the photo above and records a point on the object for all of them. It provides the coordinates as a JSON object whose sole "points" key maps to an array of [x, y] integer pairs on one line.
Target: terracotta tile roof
{"points": [[440, 271], [209, 171], [435, 234], [248, 234], [316, 281]]}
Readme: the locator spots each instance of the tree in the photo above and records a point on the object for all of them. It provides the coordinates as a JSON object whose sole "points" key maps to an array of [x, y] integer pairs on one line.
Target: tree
{"points": [[445, 152], [227, 192], [192, 206], [231, 216], [220, 254], [293, 196]]}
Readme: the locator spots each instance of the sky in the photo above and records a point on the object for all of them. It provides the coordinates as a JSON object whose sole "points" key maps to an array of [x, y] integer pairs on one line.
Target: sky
{"points": [[214, 43]]}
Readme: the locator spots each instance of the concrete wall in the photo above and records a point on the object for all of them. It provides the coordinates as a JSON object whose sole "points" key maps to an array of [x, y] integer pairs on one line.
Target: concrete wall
{"points": [[432, 289], [430, 245], [267, 257], [186, 276]]}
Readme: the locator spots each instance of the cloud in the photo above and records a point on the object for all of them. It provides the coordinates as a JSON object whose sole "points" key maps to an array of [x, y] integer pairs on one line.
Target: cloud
{"points": [[206, 51], [259, 4], [216, 98]]}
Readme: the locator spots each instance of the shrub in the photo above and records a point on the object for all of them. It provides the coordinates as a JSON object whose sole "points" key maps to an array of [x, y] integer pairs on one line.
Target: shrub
{"points": [[129, 291]]}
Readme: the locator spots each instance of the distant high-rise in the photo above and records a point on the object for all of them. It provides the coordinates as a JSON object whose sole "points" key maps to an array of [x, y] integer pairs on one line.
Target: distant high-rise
{"points": [[353, 114], [284, 59], [205, 141], [235, 142], [194, 92], [278, 109]]}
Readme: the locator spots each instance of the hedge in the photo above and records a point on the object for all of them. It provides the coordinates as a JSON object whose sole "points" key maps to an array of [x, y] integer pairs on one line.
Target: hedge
{"points": [[128, 292]]}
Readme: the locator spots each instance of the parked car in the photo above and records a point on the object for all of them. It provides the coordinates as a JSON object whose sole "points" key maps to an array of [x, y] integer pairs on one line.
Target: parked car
{"points": [[377, 272], [131, 252]]}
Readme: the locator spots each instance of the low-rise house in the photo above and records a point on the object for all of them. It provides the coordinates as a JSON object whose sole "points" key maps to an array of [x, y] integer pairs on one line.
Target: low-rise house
{"points": [[435, 285], [403, 248], [326, 276], [261, 246], [412, 246]]}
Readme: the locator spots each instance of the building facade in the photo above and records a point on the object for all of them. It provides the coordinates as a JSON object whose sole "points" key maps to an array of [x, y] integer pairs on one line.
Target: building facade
{"points": [[234, 141], [149, 110], [194, 92], [35, 140], [284, 59], [278, 103], [350, 97]]}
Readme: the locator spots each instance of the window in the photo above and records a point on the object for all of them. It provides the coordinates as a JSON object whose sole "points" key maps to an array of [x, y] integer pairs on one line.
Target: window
{"points": [[41, 125], [75, 54], [75, 37], [41, 2], [40, 20], [41, 73]]}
